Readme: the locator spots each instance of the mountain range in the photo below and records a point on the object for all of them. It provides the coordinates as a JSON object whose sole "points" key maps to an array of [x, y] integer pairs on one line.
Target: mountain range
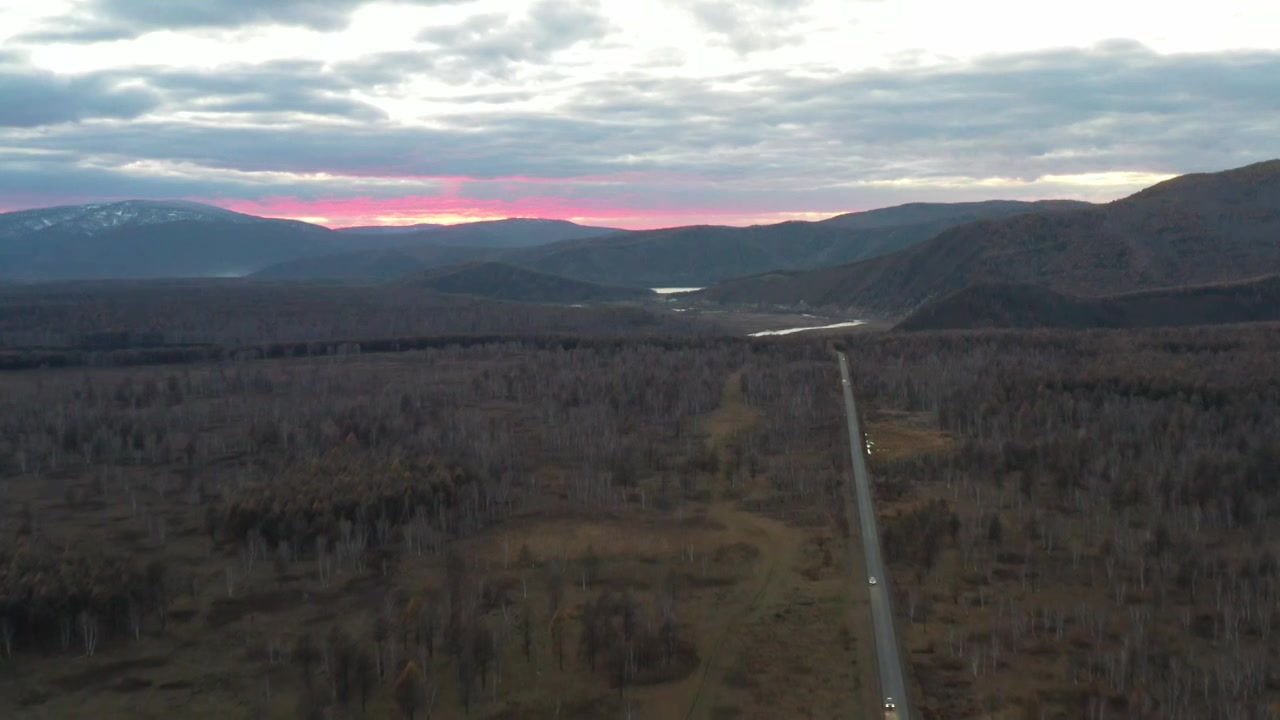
{"points": [[682, 256], [1194, 229], [958, 260], [705, 254], [418, 250], [137, 239], [149, 239]]}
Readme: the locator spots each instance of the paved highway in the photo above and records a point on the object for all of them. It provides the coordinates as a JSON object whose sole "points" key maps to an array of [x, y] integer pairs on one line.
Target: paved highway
{"points": [[892, 679]]}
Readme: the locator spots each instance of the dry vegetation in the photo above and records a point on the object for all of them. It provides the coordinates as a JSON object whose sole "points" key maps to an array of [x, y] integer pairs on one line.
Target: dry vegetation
{"points": [[1089, 528], [1080, 525], [499, 530], [105, 317]]}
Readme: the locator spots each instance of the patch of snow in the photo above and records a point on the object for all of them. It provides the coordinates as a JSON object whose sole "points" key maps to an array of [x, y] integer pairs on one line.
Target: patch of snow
{"points": [[673, 290]]}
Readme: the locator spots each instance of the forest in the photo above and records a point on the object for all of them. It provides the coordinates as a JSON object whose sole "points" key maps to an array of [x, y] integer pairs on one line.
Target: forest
{"points": [[510, 528], [1101, 539], [623, 513], [106, 316]]}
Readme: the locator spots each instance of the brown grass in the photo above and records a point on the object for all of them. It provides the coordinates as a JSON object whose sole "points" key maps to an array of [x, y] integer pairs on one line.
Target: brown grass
{"points": [[899, 435], [769, 647], [732, 418]]}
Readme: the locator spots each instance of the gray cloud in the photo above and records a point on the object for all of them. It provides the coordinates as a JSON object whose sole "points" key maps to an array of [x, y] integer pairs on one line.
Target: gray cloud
{"points": [[34, 97], [387, 69], [751, 25], [489, 44], [282, 87], [786, 141], [96, 20]]}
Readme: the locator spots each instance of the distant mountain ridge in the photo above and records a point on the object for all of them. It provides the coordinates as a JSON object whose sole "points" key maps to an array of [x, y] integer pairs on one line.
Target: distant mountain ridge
{"points": [[388, 229], [705, 254], [512, 233], [422, 250], [500, 281], [137, 239], [682, 256], [150, 239], [1029, 306], [1195, 229]]}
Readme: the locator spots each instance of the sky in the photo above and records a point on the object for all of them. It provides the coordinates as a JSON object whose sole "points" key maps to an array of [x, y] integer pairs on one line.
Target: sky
{"points": [[624, 113]]}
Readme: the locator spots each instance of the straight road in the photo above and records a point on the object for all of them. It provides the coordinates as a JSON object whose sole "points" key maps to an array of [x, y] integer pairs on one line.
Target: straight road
{"points": [[892, 679]]}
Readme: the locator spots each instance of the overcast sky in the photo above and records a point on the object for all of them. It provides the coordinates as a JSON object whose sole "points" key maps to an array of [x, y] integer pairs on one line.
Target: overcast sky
{"points": [[630, 113]]}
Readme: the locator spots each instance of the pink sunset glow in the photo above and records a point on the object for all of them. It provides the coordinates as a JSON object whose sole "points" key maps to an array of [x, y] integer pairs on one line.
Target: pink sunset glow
{"points": [[346, 212]]}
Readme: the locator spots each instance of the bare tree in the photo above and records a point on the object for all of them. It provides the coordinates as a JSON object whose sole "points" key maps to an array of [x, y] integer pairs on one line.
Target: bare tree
{"points": [[6, 634], [88, 623], [365, 676]]}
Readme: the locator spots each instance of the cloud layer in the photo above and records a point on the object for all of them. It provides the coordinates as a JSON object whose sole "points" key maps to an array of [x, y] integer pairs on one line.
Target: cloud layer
{"points": [[575, 109], [96, 20]]}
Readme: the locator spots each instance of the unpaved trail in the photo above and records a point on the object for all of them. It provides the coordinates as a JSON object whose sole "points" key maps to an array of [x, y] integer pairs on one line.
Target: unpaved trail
{"points": [[747, 601], [767, 642], [779, 550], [735, 606]]}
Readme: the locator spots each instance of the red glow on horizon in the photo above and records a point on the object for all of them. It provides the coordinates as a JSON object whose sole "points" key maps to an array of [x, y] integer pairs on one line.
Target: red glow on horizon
{"points": [[446, 210]]}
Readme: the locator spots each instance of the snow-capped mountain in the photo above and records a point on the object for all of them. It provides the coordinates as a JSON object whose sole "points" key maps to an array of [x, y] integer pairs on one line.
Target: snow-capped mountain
{"points": [[95, 218], [147, 239]]}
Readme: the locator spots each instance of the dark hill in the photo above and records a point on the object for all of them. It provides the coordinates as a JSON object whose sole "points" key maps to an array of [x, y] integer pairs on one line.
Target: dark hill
{"points": [[1028, 306], [947, 214], [1195, 229], [505, 282], [376, 266], [422, 249], [511, 233], [704, 254]]}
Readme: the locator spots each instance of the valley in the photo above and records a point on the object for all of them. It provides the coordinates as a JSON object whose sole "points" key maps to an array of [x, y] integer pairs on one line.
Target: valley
{"points": [[536, 469]]}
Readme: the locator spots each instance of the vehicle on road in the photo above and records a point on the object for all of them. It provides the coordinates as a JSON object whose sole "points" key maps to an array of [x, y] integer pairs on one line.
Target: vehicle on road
{"points": [[890, 709], [873, 579]]}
